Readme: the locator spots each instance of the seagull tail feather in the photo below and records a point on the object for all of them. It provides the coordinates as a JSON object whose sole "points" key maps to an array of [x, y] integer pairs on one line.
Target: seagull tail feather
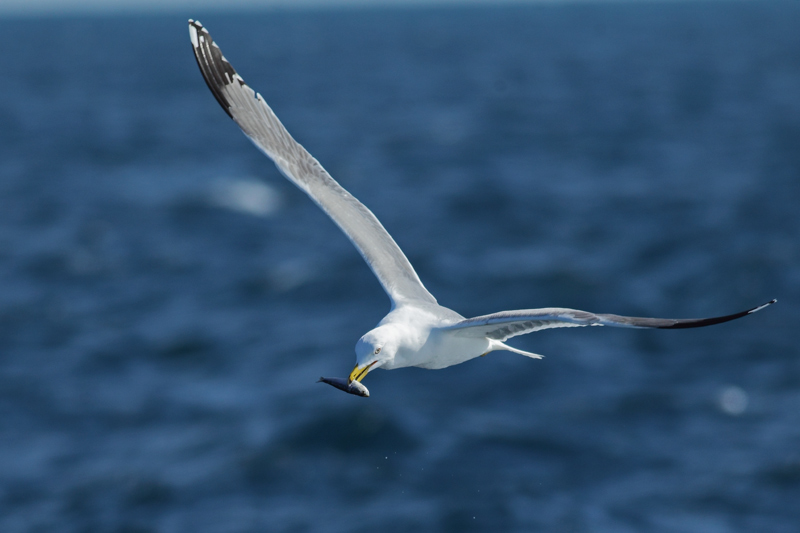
{"points": [[503, 346]]}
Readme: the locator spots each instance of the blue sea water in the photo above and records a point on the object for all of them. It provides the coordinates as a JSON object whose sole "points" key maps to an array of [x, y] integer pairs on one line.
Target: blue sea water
{"points": [[168, 300]]}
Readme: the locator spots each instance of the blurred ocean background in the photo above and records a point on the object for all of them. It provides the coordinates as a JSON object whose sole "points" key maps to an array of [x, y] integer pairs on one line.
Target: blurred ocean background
{"points": [[168, 300]]}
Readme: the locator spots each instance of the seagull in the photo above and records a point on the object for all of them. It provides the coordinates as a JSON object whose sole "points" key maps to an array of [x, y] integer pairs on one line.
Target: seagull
{"points": [[417, 332]]}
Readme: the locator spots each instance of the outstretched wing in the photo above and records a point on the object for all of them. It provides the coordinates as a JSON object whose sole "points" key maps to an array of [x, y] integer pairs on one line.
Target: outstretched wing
{"points": [[260, 124], [506, 324]]}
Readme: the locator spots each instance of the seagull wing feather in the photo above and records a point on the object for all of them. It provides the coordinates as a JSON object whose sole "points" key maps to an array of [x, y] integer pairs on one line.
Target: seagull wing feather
{"points": [[249, 110], [506, 324]]}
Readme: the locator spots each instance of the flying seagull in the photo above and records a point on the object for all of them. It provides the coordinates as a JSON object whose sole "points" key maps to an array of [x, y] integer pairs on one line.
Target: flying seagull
{"points": [[417, 331]]}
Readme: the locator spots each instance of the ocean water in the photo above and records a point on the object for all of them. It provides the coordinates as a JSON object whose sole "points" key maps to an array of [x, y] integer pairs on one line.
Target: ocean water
{"points": [[168, 300]]}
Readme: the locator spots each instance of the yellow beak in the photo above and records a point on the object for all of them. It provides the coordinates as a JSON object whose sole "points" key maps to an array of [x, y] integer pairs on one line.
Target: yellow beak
{"points": [[359, 372]]}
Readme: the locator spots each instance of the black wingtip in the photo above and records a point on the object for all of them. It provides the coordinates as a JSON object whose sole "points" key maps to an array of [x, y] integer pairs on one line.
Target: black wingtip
{"points": [[763, 306], [702, 322], [215, 69]]}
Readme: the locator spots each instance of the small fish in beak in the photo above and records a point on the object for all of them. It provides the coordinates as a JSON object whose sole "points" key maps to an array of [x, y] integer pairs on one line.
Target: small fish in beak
{"points": [[351, 387]]}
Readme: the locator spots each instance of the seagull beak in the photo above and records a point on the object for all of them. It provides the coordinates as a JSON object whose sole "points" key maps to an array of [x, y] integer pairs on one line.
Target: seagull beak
{"points": [[359, 372]]}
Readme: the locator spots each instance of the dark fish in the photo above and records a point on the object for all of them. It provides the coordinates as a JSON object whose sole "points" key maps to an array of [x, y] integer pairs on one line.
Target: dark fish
{"points": [[352, 387]]}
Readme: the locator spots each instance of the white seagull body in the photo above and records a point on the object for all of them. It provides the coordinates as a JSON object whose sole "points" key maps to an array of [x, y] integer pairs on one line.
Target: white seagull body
{"points": [[417, 331]]}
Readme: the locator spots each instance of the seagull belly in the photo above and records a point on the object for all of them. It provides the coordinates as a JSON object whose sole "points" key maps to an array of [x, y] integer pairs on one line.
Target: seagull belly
{"points": [[444, 349]]}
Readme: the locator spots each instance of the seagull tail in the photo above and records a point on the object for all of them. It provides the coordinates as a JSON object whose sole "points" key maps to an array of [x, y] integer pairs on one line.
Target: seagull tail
{"points": [[506, 347]]}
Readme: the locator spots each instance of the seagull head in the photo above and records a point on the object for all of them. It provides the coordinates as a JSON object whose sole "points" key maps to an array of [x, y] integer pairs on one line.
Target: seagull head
{"points": [[374, 349]]}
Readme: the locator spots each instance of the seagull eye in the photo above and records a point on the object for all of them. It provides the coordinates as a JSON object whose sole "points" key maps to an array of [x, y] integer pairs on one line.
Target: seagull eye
{"points": [[377, 351]]}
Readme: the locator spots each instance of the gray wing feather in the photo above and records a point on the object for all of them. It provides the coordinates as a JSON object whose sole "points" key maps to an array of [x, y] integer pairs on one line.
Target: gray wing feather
{"points": [[506, 324], [249, 110]]}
